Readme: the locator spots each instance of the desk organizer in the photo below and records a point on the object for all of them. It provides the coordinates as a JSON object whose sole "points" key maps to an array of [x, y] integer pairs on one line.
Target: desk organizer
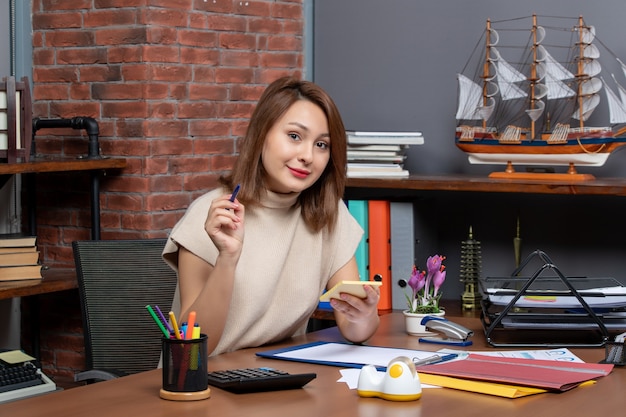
{"points": [[615, 353], [549, 309]]}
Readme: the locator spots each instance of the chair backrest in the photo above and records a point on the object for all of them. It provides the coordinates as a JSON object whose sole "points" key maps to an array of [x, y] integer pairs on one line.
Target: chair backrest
{"points": [[116, 280]]}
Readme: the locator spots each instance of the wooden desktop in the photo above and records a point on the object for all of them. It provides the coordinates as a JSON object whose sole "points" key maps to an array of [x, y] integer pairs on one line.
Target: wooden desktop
{"points": [[324, 396]]}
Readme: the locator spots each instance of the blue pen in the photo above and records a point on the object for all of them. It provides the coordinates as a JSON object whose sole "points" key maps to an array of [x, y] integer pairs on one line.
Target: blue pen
{"points": [[234, 194]]}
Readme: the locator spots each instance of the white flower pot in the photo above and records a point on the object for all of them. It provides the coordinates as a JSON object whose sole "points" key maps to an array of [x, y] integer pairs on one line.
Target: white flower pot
{"points": [[413, 323]]}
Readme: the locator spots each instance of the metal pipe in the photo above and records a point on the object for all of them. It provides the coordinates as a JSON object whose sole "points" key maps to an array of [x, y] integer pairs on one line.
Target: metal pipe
{"points": [[89, 124]]}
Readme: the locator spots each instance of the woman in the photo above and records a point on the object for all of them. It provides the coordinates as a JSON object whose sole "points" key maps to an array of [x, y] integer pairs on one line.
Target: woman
{"points": [[253, 268]]}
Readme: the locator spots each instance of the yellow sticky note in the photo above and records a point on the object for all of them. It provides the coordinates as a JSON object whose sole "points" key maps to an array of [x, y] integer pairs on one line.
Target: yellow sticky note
{"points": [[15, 356]]}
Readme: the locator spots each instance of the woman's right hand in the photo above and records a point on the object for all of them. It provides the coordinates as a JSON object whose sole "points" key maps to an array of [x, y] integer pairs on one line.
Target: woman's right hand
{"points": [[224, 225]]}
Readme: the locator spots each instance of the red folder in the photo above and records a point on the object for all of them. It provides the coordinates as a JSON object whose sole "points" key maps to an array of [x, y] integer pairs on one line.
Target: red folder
{"points": [[550, 375], [380, 249]]}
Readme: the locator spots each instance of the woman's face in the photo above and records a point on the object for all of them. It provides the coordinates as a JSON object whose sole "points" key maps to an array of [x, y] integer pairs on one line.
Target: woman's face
{"points": [[297, 148]]}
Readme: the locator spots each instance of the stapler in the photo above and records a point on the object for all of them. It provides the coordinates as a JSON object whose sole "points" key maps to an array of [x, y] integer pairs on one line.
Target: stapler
{"points": [[455, 333]]}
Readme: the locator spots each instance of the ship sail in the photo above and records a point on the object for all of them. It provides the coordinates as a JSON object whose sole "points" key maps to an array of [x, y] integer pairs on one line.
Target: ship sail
{"points": [[590, 86], [470, 101], [553, 74], [507, 77], [617, 109]]}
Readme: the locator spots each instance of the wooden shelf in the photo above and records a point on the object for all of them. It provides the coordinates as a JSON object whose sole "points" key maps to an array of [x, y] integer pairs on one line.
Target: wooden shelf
{"points": [[603, 186], [61, 164], [53, 280]]}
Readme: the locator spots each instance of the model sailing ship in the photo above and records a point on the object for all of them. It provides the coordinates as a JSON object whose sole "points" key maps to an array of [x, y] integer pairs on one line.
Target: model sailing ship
{"points": [[534, 112]]}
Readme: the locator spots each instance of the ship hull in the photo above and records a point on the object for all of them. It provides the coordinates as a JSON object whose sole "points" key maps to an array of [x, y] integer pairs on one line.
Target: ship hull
{"points": [[581, 152]]}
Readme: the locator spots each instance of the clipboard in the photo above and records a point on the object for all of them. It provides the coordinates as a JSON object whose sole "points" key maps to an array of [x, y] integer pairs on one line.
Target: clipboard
{"points": [[347, 355]]}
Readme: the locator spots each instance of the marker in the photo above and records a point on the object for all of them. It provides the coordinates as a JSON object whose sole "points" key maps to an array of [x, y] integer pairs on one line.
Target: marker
{"points": [[191, 321], [164, 320], [234, 194], [175, 325], [157, 321]]}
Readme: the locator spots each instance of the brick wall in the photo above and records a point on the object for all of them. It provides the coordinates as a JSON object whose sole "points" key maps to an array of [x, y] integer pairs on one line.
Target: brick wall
{"points": [[172, 84]]}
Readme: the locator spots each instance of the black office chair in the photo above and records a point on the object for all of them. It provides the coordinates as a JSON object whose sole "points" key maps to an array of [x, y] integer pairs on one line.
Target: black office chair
{"points": [[116, 280]]}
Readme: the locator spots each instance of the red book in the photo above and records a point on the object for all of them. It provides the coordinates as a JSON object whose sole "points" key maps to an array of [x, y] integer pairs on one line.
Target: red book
{"points": [[380, 249]]}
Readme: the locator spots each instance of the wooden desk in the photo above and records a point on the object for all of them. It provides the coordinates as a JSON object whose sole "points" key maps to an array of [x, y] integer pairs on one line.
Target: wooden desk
{"points": [[139, 394]]}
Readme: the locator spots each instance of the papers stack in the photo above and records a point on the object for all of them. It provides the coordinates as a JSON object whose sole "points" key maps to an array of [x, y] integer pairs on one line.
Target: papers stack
{"points": [[379, 154]]}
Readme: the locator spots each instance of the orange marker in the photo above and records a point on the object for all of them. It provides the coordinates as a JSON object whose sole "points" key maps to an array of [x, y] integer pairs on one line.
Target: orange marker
{"points": [[191, 321]]}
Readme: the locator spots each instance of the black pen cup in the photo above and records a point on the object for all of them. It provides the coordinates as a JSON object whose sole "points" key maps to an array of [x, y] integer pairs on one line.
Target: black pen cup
{"points": [[185, 369]]}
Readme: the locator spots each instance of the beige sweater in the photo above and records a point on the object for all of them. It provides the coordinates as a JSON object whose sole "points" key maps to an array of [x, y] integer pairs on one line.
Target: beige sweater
{"points": [[282, 271]]}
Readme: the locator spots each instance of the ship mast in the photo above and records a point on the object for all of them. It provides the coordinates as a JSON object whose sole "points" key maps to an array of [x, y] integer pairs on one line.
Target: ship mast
{"points": [[533, 75], [580, 74], [486, 65]]}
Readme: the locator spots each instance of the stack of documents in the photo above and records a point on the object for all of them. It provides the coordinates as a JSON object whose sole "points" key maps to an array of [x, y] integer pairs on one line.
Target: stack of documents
{"points": [[509, 377]]}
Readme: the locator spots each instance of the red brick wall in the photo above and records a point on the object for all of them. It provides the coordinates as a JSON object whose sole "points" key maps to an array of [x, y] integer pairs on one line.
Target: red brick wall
{"points": [[172, 84]]}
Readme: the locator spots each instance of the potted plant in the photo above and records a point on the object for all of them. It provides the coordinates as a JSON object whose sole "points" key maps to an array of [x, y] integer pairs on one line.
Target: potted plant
{"points": [[423, 300]]}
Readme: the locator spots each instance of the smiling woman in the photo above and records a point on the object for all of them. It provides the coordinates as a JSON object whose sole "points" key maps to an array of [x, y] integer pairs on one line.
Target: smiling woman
{"points": [[240, 263]]}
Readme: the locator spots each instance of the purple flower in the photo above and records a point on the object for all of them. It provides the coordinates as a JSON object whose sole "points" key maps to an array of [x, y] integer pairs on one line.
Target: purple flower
{"points": [[422, 298], [417, 281], [438, 278]]}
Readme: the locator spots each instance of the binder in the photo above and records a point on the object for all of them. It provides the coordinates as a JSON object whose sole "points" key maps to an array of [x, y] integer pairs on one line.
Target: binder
{"points": [[380, 249], [402, 251], [358, 209]]}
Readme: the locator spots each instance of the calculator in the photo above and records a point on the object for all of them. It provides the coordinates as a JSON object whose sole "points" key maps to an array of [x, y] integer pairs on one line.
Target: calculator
{"points": [[258, 379]]}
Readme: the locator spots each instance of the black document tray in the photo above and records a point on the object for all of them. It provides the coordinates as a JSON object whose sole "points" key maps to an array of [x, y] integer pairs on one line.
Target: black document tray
{"points": [[551, 310]]}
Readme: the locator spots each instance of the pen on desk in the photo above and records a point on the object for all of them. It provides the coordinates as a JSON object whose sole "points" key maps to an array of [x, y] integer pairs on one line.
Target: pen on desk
{"points": [[427, 361], [164, 320], [175, 325], [191, 321], [157, 321]]}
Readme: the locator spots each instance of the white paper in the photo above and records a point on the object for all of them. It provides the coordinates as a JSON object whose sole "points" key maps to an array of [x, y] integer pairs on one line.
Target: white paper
{"points": [[354, 354], [560, 354]]}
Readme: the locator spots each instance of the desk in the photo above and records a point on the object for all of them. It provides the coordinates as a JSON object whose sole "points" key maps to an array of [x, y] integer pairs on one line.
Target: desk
{"points": [[139, 394]]}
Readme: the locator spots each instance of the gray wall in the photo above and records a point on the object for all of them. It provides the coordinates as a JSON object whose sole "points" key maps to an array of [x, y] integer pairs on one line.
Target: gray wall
{"points": [[391, 65]]}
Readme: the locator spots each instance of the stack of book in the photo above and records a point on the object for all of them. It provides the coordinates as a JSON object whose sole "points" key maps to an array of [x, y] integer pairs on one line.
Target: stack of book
{"points": [[379, 154], [19, 257]]}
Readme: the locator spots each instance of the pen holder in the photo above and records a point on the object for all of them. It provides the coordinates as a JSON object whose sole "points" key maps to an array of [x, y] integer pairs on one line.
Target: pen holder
{"points": [[615, 353], [185, 369]]}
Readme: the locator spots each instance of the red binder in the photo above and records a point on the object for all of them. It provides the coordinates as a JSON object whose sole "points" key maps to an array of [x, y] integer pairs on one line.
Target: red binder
{"points": [[380, 249]]}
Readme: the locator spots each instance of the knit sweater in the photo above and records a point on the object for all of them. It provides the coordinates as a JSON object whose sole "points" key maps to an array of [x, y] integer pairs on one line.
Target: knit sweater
{"points": [[282, 270]]}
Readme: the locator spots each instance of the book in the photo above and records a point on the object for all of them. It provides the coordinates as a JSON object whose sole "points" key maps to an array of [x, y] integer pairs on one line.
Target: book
{"points": [[402, 250], [16, 273], [15, 240], [20, 249], [358, 209], [376, 148], [19, 258], [380, 249], [355, 170], [381, 138]]}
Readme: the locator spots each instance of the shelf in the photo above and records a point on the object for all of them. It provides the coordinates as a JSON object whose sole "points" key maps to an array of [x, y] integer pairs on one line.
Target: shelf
{"points": [[60, 164], [603, 186], [53, 280]]}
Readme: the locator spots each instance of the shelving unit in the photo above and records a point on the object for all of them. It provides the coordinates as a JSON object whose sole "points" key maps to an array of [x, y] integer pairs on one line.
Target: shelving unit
{"points": [[604, 186]]}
